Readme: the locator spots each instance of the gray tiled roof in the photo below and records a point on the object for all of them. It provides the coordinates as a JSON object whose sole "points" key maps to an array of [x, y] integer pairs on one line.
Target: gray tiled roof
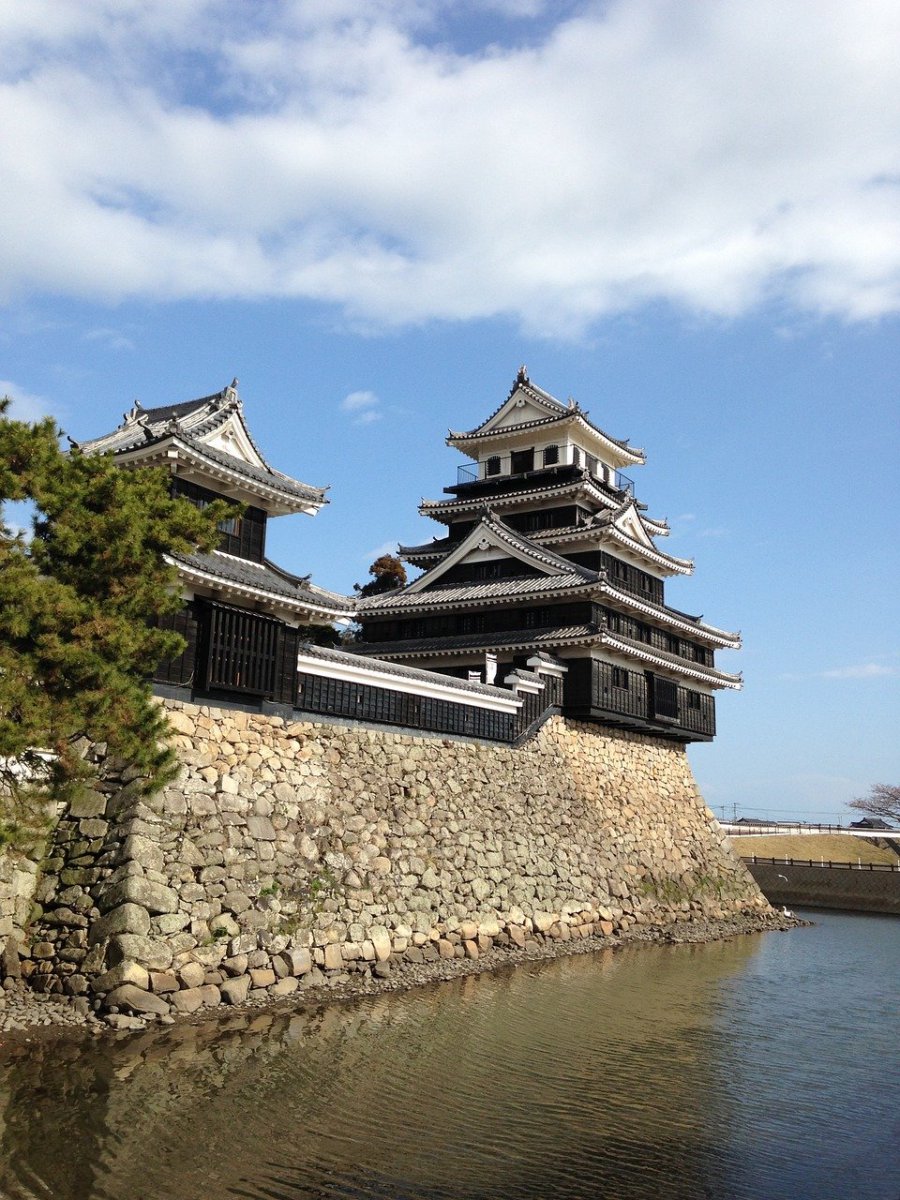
{"points": [[189, 422], [271, 478], [498, 589], [403, 672], [511, 638], [559, 413], [266, 577], [437, 546]]}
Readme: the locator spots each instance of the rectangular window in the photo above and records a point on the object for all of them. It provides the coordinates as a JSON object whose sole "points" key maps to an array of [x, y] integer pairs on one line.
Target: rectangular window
{"points": [[551, 455], [492, 466], [537, 618], [521, 461], [665, 698], [244, 650], [620, 678], [244, 536]]}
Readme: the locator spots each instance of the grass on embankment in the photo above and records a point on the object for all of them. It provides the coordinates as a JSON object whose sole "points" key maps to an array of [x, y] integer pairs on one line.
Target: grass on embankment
{"points": [[836, 847]]}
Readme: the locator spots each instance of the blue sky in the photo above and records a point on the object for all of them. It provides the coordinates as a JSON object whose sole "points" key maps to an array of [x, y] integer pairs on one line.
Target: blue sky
{"points": [[683, 214]]}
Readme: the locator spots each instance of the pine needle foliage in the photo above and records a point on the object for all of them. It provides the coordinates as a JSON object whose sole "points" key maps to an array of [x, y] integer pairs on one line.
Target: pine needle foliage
{"points": [[78, 604]]}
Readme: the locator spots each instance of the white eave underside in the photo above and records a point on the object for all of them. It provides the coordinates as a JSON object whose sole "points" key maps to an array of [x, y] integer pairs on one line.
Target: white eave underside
{"points": [[704, 632], [474, 443], [454, 508], [714, 678], [675, 566]]}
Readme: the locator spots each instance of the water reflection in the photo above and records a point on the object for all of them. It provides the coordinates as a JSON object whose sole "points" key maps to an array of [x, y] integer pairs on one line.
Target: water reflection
{"points": [[620, 1074]]}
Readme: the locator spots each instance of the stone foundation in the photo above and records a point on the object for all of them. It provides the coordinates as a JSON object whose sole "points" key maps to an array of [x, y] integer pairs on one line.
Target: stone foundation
{"points": [[291, 852]]}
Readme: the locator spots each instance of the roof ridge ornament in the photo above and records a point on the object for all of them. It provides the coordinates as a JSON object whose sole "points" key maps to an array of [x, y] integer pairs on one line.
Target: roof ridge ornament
{"points": [[133, 413], [520, 379]]}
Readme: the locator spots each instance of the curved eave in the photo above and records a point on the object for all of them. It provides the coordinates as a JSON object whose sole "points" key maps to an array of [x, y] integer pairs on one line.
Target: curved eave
{"points": [[715, 679], [174, 449], [703, 632], [656, 528], [600, 589], [432, 508], [527, 639], [299, 607], [621, 451], [436, 549], [674, 566]]}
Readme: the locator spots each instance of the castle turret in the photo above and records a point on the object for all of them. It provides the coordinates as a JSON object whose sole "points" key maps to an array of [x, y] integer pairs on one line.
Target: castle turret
{"points": [[243, 615]]}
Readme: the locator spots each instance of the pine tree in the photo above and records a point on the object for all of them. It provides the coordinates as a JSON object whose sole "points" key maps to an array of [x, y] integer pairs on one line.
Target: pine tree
{"points": [[78, 603], [388, 573]]}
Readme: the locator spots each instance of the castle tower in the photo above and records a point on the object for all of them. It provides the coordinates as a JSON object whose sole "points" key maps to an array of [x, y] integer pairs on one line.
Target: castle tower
{"points": [[547, 551]]}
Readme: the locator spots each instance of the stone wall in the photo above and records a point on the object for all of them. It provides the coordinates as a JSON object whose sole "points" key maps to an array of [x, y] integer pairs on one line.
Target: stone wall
{"points": [[814, 886], [290, 852]]}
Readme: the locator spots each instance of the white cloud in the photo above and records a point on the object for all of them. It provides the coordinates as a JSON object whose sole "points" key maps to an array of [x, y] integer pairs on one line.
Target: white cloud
{"points": [[364, 407], [713, 156], [113, 339], [714, 531], [861, 671]]}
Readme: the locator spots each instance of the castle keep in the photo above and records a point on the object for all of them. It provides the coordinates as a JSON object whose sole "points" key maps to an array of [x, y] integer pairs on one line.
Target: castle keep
{"points": [[547, 549]]}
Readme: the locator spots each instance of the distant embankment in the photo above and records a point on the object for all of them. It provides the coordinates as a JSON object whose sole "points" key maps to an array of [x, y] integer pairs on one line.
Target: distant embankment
{"points": [[868, 889]]}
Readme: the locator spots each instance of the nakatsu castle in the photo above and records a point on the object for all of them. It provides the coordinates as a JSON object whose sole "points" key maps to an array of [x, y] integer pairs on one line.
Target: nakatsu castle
{"points": [[547, 552], [544, 595]]}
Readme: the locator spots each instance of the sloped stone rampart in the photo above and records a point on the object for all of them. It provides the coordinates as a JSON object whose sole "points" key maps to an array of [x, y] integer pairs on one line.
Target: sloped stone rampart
{"points": [[289, 852]]}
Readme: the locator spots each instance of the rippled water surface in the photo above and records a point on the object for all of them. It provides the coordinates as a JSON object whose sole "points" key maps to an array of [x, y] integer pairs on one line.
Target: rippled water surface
{"points": [[764, 1067]]}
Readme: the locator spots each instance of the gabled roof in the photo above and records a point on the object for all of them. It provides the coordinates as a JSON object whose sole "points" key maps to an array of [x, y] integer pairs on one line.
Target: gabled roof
{"points": [[547, 411], [626, 526], [629, 528], [211, 435], [491, 532]]}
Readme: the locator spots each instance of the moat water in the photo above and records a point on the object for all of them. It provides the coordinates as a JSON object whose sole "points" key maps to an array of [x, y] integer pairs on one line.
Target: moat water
{"points": [[766, 1067]]}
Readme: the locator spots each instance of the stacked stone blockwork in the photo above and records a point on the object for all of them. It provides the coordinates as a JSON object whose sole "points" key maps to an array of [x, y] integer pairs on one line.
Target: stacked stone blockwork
{"points": [[289, 851]]}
